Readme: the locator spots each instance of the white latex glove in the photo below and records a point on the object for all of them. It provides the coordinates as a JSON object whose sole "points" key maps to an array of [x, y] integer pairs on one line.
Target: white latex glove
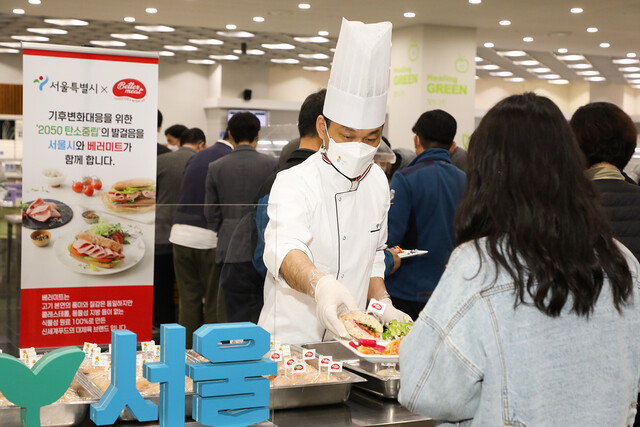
{"points": [[330, 295], [391, 313]]}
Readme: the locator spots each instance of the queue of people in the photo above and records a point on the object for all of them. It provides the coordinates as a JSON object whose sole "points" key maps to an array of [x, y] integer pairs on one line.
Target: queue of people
{"points": [[525, 304]]}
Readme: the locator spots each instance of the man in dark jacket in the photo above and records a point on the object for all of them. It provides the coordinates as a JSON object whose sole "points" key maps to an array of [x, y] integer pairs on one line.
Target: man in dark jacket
{"points": [[424, 198]]}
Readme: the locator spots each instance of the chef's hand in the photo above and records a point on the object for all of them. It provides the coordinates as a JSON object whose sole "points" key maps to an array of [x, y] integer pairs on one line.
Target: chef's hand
{"points": [[330, 295], [392, 313]]}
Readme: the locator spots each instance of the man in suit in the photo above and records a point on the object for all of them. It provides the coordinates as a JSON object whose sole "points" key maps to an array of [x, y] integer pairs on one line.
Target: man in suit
{"points": [[169, 179]]}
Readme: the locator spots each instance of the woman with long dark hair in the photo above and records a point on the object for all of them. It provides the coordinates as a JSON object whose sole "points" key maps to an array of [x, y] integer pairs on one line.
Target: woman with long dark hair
{"points": [[533, 322]]}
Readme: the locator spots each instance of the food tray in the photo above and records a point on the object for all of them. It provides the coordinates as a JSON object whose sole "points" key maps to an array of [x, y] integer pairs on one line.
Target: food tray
{"points": [[56, 414], [385, 386]]}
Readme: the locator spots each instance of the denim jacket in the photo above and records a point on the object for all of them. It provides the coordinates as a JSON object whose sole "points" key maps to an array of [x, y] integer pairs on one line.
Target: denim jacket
{"points": [[472, 359]]}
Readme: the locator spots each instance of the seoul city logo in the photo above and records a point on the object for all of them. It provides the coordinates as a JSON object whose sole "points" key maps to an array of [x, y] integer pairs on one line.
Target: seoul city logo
{"points": [[42, 81]]}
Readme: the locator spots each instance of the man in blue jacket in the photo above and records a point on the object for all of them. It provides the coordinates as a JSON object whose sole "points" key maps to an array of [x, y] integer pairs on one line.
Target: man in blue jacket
{"points": [[424, 199]]}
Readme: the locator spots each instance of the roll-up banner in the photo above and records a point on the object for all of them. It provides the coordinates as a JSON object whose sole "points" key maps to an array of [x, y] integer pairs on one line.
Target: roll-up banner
{"points": [[89, 167]]}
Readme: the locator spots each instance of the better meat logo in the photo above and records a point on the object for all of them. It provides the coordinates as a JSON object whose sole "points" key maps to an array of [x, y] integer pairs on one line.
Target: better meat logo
{"points": [[130, 88], [376, 305]]}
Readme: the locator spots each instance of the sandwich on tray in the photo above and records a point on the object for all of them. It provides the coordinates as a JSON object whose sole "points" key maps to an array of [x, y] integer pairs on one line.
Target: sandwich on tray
{"points": [[131, 195]]}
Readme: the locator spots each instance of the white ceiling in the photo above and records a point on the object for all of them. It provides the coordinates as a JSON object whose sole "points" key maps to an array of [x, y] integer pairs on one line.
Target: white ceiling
{"points": [[550, 23]]}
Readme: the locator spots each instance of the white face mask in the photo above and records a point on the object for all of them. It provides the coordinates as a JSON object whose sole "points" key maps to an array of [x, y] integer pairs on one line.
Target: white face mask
{"points": [[350, 158]]}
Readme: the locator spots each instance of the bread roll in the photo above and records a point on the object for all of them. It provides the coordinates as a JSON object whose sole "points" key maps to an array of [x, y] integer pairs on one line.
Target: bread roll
{"points": [[101, 241], [135, 182]]}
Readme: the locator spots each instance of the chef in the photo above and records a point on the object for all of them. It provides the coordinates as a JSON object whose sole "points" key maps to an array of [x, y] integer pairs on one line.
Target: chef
{"points": [[325, 240]]}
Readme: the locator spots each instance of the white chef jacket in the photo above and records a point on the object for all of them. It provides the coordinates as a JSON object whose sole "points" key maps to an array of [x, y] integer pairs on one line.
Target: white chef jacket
{"points": [[342, 227]]}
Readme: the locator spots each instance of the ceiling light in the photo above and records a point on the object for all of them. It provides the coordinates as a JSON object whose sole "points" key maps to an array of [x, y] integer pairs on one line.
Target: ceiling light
{"points": [[527, 39], [201, 61], [249, 52], [605, 45], [527, 62], [632, 76], [313, 56], [595, 79], [225, 57], [304, 6], [231, 26], [316, 68], [489, 44], [559, 82], [409, 15], [549, 76], [501, 73], [538, 70], [635, 82], [563, 50], [592, 30], [154, 28], [15, 45], [580, 66], [18, 11], [636, 86], [166, 53], [626, 61], [323, 33], [570, 57], [316, 39], [129, 19], [478, 59], [475, 1], [151, 10], [130, 36], [108, 43], [31, 38], [235, 34], [513, 53], [504, 22], [487, 67], [285, 61], [631, 55], [184, 47], [47, 30], [588, 73], [514, 79], [258, 19], [8, 50], [34, 2], [576, 10], [285, 46], [67, 22], [629, 69], [206, 41]]}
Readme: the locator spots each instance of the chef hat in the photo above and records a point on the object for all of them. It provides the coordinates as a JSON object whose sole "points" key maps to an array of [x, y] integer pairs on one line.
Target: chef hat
{"points": [[359, 80]]}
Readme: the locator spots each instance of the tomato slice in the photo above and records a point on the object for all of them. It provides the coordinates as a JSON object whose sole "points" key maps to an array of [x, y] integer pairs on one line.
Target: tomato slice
{"points": [[117, 237]]}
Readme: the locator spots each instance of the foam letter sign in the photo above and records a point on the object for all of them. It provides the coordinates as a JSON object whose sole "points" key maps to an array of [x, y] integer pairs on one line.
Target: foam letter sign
{"points": [[122, 391], [230, 389]]}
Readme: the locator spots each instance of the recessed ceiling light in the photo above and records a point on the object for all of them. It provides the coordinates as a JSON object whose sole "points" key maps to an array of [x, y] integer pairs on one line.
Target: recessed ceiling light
{"points": [[478, 59], [626, 61], [635, 82], [151, 10], [501, 73], [409, 15], [258, 19], [631, 55], [316, 68], [47, 30], [108, 43], [505, 22], [549, 76], [476, 77], [475, 1], [570, 57], [16, 45], [563, 50], [131, 36], [605, 45], [34, 1], [18, 11], [304, 6], [588, 73], [595, 79], [8, 50], [632, 76], [31, 38], [285, 46], [514, 79], [67, 22], [576, 10], [487, 67], [129, 19], [231, 26], [629, 69], [166, 53], [225, 57], [155, 28], [183, 47], [636, 86], [313, 56], [235, 34], [285, 61], [559, 82], [316, 39], [527, 62], [489, 44], [527, 39], [249, 52], [206, 41], [592, 30], [513, 53], [201, 61], [539, 70], [323, 33], [580, 66]]}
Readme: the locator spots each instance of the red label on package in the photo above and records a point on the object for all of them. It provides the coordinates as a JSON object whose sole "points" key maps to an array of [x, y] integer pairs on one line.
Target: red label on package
{"points": [[325, 360], [276, 356], [290, 361], [376, 307], [309, 354], [299, 367], [335, 367]]}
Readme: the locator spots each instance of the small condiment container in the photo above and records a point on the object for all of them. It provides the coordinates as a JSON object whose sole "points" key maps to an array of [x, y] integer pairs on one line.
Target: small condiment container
{"points": [[90, 217], [41, 238]]}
